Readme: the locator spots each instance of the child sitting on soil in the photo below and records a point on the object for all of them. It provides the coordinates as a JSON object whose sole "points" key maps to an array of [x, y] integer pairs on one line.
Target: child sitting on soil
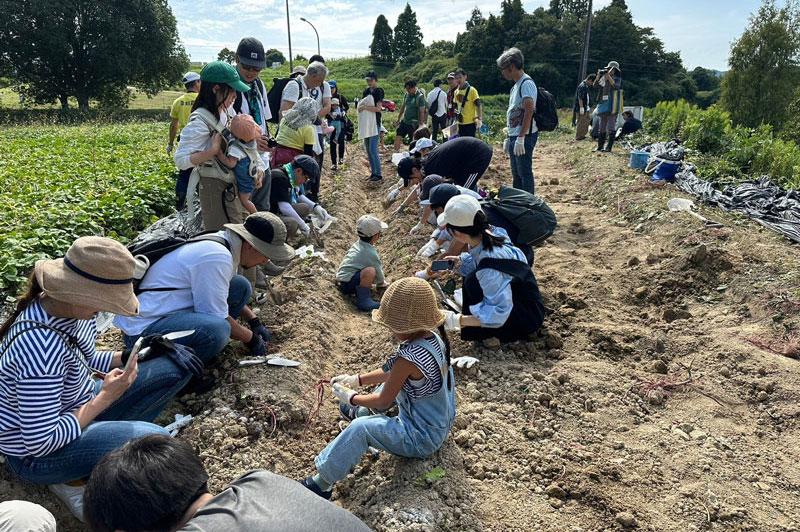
{"points": [[418, 378], [361, 265], [240, 156]]}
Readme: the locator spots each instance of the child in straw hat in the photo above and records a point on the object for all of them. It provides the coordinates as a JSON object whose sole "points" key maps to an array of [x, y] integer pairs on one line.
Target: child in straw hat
{"points": [[418, 378]]}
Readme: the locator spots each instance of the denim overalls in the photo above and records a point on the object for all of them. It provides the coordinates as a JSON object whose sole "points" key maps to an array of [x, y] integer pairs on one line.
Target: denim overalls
{"points": [[419, 429]]}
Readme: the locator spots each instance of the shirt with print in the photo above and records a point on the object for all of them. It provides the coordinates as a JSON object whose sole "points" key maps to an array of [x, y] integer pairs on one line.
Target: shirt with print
{"points": [[425, 362], [360, 255], [377, 97], [470, 110], [295, 138], [42, 382], [413, 103], [522, 89], [260, 501], [254, 102], [182, 108]]}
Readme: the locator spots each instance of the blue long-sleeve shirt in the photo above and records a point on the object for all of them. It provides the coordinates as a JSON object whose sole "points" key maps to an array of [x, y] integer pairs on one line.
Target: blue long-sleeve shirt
{"points": [[494, 309]]}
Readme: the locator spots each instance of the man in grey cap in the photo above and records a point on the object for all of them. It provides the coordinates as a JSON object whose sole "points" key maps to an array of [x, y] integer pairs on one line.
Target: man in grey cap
{"points": [[610, 81], [179, 115], [287, 195], [195, 287]]}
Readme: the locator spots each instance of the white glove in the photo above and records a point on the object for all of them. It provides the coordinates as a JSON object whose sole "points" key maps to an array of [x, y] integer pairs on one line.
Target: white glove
{"points": [[452, 321], [322, 213], [478, 123], [428, 249], [519, 146], [416, 229], [464, 362], [343, 394], [422, 274], [170, 146], [305, 229], [350, 381], [391, 196], [505, 145], [581, 111]]}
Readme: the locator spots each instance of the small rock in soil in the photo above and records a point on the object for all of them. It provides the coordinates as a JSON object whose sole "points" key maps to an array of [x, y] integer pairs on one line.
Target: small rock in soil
{"points": [[491, 343], [555, 491], [671, 315], [656, 397], [699, 255], [633, 261], [640, 293], [652, 258], [763, 396], [626, 519], [659, 367], [725, 372]]}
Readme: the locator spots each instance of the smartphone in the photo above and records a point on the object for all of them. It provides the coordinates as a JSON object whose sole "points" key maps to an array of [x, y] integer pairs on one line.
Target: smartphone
{"points": [[442, 265]]}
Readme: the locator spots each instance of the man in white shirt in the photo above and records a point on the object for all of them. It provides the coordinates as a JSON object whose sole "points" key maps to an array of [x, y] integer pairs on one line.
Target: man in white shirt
{"points": [[196, 287], [439, 114]]}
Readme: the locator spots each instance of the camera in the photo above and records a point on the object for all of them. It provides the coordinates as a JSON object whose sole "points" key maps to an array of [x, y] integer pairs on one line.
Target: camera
{"points": [[603, 71]]}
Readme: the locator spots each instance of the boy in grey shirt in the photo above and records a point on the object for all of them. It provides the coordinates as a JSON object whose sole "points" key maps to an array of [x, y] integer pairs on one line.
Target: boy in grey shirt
{"points": [[361, 265]]}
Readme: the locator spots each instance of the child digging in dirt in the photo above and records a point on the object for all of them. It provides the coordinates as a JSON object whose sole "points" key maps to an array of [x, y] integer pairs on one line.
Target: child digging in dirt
{"points": [[418, 378], [361, 265]]}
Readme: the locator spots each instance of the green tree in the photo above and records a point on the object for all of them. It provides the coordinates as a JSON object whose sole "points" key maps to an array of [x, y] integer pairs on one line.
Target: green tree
{"points": [[764, 69], [382, 48], [475, 19], [91, 49], [227, 55], [301, 58], [440, 49], [273, 55], [705, 79], [407, 36], [577, 8]]}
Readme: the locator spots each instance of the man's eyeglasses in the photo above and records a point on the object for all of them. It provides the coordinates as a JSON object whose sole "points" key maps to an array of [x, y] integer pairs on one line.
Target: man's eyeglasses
{"points": [[250, 68]]}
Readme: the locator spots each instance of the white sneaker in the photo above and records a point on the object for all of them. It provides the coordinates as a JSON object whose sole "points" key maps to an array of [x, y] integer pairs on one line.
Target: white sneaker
{"points": [[72, 497]]}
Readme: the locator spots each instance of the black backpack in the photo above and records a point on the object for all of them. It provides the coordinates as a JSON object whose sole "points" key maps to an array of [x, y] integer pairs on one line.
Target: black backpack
{"points": [[535, 220], [154, 250], [274, 96], [546, 113], [434, 108]]}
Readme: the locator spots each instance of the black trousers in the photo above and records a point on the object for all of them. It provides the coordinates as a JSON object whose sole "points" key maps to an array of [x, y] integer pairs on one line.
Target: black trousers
{"points": [[337, 143], [438, 123]]}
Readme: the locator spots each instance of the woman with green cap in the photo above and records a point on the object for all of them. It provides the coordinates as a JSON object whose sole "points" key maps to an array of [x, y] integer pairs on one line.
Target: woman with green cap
{"points": [[201, 143]]}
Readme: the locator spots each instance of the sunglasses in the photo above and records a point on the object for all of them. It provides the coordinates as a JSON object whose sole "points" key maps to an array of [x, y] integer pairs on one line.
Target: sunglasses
{"points": [[250, 68]]}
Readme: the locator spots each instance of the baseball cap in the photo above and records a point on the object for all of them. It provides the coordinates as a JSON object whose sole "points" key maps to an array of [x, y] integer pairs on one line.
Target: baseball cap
{"points": [[451, 75], [424, 142], [427, 185], [190, 76], [441, 194], [222, 72], [267, 234], [332, 84], [460, 211], [309, 166], [371, 75], [251, 53], [369, 226], [404, 168]]}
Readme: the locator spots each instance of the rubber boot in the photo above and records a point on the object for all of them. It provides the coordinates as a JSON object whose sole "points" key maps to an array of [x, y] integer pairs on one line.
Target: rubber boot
{"points": [[364, 299], [610, 143], [601, 140]]}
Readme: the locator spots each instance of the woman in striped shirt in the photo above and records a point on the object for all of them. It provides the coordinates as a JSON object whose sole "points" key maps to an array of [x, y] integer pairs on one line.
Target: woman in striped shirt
{"points": [[56, 421], [418, 378]]}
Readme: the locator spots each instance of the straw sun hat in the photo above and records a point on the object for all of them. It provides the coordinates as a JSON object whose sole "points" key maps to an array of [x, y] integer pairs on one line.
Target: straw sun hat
{"points": [[409, 305], [96, 272]]}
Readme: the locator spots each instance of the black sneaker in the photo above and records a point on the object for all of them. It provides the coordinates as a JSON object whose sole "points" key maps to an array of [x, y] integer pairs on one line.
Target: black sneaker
{"points": [[310, 484], [349, 412], [197, 385], [375, 178]]}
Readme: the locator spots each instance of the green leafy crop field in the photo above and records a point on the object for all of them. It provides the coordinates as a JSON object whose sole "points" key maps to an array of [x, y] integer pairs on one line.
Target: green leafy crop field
{"points": [[62, 182]]}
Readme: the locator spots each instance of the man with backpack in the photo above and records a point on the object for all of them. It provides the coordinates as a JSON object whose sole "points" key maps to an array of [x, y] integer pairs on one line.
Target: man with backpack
{"points": [[469, 111], [522, 130], [250, 62], [194, 286], [437, 109]]}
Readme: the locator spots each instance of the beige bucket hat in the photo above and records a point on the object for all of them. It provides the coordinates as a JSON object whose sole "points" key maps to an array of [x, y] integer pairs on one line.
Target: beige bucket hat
{"points": [[409, 305], [96, 272], [267, 234]]}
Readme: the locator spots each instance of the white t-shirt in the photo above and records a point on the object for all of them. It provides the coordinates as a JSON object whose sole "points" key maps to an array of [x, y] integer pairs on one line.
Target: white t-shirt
{"points": [[437, 92], [516, 107], [201, 272], [292, 93]]}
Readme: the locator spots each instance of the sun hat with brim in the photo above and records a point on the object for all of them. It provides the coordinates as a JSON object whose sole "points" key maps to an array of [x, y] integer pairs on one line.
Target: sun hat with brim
{"points": [[222, 72], [613, 64], [409, 305], [421, 144], [95, 272], [460, 211], [267, 234], [334, 101]]}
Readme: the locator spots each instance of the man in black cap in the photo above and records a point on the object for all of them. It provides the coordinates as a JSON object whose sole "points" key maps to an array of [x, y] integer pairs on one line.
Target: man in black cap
{"points": [[287, 197], [250, 62]]}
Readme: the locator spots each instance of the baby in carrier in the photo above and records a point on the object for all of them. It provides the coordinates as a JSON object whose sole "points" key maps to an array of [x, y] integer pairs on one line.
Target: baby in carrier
{"points": [[241, 155]]}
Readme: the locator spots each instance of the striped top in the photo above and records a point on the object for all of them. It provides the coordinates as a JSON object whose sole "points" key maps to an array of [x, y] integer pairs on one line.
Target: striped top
{"points": [[42, 383], [431, 381]]}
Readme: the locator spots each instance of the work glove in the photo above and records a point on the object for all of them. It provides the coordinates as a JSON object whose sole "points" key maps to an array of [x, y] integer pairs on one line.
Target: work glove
{"points": [[422, 274], [170, 147], [258, 328], [343, 394], [506, 145], [464, 362], [478, 123], [519, 146], [350, 381], [183, 356], [257, 345], [305, 229], [428, 249], [581, 110], [322, 213], [391, 196], [452, 321], [416, 229], [398, 211]]}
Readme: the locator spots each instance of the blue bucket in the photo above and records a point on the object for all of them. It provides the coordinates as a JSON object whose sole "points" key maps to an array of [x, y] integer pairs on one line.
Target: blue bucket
{"points": [[639, 159], [666, 170]]}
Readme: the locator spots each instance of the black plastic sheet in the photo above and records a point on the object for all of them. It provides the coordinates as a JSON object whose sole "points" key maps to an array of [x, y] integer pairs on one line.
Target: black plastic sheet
{"points": [[670, 150], [177, 223]]}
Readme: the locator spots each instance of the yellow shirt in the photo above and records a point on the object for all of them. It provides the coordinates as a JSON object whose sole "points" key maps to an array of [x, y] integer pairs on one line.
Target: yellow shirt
{"points": [[470, 109], [182, 108], [295, 139]]}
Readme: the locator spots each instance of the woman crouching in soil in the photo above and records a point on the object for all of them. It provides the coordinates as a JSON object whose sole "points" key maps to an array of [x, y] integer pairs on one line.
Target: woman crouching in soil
{"points": [[418, 378], [501, 296]]}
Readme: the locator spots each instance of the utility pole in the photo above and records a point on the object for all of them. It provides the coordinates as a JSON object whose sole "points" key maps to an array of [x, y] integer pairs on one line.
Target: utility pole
{"points": [[315, 31], [585, 54], [289, 34]]}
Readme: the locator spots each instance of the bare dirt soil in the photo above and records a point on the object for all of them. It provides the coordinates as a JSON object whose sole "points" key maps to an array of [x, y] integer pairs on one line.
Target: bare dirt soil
{"points": [[642, 404]]}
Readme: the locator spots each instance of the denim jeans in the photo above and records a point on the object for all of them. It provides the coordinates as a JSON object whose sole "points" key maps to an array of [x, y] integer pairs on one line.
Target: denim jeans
{"points": [[371, 145], [127, 418], [212, 333], [522, 165]]}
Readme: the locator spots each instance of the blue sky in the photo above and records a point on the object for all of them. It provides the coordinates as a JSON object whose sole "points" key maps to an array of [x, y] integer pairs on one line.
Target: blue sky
{"points": [[700, 30]]}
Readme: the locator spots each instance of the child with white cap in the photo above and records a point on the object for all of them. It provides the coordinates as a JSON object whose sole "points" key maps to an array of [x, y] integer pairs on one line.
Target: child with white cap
{"points": [[361, 265]]}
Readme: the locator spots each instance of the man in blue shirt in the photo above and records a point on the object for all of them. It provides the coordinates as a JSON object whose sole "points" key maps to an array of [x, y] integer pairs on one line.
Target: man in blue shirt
{"points": [[522, 131], [631, 125]]}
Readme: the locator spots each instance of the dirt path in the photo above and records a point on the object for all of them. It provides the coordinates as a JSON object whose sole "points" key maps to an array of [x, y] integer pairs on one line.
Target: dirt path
{"points": [[550, 435]]}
